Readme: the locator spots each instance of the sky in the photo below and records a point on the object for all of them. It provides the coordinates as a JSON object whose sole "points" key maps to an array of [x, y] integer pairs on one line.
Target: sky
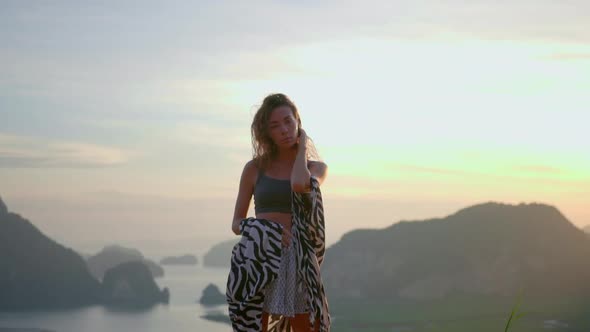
{"points": [[129, 122]]}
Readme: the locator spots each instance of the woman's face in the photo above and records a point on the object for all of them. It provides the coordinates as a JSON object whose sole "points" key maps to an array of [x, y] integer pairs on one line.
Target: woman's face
{"points": [[282, 127]]}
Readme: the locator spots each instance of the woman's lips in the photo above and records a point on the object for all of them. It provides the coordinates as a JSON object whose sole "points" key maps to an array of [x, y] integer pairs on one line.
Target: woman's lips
{"points": [[286, 140]]}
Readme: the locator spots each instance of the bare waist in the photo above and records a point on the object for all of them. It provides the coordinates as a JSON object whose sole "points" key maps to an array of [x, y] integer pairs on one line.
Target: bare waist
{"points": [[280, 217]]}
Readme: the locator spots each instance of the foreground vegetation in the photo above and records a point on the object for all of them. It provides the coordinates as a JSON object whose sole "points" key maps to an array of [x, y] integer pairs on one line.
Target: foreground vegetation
{"points": [[458, 314]]}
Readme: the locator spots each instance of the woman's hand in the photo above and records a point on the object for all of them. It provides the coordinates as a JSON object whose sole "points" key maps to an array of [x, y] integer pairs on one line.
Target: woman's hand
{"points": [[235, 226]]}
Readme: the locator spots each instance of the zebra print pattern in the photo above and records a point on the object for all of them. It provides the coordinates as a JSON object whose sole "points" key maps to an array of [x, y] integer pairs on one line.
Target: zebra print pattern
{"points": [[255, 261]]}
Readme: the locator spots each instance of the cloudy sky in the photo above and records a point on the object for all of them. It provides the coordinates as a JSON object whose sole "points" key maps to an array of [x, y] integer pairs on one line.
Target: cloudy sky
{"points": [[130, 121]]}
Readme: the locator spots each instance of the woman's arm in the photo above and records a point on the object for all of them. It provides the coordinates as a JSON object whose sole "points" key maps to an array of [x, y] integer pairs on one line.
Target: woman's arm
{"points": [[244, 195], [300, 174]]}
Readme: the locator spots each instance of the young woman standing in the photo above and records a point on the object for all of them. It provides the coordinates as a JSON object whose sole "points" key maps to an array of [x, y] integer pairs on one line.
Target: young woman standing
{"points": [[282, 163]]}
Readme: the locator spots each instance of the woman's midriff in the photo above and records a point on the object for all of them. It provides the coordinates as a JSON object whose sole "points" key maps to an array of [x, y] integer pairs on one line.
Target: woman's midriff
{"points": [[280, 217]]}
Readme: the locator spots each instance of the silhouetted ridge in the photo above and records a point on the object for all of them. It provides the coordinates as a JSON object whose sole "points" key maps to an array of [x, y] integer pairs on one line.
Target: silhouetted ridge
{"points": [[489, 248], [3, 208], [37, 272]]}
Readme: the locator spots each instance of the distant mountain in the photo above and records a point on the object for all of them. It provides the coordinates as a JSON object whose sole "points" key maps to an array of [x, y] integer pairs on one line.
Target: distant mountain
{"points": [[489, 248], [586, 229], [131, 284], [113, 255], [3, 208], [220, 254], [179, 260], [37, 272]]}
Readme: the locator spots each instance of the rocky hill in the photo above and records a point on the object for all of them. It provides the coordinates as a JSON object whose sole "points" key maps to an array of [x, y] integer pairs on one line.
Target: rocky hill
{"points": [[37, 272], [489, 248], [113, 255]]}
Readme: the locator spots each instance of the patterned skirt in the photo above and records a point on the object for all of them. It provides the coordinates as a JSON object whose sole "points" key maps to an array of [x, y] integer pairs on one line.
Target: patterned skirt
{"points": [[281, 295]]}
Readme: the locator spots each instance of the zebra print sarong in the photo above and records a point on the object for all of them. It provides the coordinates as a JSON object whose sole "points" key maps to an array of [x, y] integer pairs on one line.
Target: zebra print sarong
{"points": [[255, 262]]}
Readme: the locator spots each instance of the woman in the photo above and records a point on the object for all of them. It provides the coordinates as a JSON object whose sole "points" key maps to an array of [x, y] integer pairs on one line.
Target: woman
{"points": [[281, 164]]}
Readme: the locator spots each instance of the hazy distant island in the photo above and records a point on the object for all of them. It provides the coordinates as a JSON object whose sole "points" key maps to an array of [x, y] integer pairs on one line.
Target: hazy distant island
{"points": [[219, 255], [131, 283], [179, 260], [36, 272], [113, 255], [212, 296], [487, 249]]}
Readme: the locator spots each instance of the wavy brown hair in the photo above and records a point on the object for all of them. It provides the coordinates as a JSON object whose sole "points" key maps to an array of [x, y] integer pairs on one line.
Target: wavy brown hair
{"points": [[264, 150]]}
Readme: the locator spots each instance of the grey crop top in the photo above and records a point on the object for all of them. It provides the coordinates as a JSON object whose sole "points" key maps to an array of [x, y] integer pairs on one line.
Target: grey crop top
{"points": [[272, 195]]}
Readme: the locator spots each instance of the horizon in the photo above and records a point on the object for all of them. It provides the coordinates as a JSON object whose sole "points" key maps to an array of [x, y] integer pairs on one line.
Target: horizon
{"points": [[155, 250], [133, 123]]}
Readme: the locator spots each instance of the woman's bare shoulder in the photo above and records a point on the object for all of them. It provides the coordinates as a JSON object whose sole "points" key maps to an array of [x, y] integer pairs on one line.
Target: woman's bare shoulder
{"points": [[251, 170]]}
